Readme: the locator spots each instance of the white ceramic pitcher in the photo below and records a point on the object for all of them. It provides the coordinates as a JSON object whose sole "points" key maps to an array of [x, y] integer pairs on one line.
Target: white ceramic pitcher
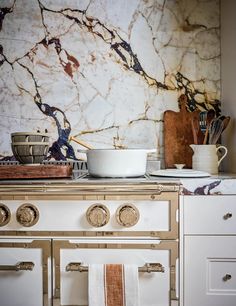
{"points": [[205, 157]]}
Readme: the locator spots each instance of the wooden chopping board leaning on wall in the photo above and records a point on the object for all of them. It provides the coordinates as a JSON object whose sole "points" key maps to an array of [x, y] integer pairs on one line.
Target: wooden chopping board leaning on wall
{"points": [[178, 135]]}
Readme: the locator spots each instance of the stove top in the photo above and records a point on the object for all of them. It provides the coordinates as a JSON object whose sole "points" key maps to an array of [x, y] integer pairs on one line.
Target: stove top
{"points": [[85, 177]]}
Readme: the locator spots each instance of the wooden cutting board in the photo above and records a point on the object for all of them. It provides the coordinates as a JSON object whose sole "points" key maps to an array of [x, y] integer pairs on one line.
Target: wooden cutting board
{"points": [[35, 171], [178, 135]]}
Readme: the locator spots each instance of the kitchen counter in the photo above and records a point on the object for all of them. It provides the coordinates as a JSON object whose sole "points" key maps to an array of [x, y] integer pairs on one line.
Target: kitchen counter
{"points": [[223, 183]]}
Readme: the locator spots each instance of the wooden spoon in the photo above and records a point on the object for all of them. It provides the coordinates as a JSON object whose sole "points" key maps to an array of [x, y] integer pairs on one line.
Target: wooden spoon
{"points": [[226, 122], [81, 142], [195, 129], [210, 116]]}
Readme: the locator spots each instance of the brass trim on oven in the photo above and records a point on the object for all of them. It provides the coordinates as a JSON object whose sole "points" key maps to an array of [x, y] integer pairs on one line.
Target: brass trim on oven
{"points": [[172, 246], [45, 245], [86, 234], [91, 188]]}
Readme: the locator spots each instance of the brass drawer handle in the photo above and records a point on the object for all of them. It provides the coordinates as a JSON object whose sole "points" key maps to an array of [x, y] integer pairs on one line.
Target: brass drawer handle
{"points": [[227, 216], [227, 277], [20, 266]]}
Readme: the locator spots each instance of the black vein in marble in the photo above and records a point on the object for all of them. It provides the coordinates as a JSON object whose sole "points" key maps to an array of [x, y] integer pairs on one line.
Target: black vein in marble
{"points": [[4, 11], [186, 85], [63, 128], [2, 57], [203, 190], [121, 47]]}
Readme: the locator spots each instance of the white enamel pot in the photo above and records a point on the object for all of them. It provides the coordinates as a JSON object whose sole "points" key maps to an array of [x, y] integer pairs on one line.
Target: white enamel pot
{"points": [[117, 163]]}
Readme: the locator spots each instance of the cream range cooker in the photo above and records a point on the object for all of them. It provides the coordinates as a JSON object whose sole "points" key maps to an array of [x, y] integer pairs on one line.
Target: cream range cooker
{"points": [[50, 231]]}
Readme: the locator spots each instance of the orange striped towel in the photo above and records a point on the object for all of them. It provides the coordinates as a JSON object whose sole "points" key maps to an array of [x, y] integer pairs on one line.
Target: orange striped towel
{"points": [[113, 285]]}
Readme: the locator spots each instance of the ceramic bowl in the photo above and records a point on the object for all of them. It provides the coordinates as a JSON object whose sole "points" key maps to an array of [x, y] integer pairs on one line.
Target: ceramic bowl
{"points": [[30, 152], [29, 137]]}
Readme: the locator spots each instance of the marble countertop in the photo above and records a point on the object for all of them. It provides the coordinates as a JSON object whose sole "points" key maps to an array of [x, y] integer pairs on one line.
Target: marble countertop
{"points": [[223, 183]]}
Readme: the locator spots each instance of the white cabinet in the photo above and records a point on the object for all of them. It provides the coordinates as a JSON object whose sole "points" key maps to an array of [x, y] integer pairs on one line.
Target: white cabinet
{"points": [[24, 272], [209, 250]]}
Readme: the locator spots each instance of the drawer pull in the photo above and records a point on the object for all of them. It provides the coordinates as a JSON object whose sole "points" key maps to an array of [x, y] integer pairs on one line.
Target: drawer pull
{"points": [[227, 216], [227, 277], [20, 266]]}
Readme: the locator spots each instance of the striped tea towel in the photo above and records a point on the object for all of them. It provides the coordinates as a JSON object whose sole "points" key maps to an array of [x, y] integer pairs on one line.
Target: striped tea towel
{"points": [[113, 285]]}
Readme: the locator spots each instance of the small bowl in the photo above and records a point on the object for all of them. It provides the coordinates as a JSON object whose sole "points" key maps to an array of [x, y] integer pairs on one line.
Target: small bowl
{"points": [[30, 152], [29, 137]]}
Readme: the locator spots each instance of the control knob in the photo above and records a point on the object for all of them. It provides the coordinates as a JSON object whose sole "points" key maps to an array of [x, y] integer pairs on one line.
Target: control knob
{"points": [[97, 215], [5, 214], [127, 215], [27, 215]]}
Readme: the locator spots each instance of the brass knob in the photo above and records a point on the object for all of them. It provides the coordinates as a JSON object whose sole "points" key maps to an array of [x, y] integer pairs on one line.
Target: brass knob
{"points": [[227, 216], [27, 215], [5, 214], [98, 215], [127, 215], [227, 277]]}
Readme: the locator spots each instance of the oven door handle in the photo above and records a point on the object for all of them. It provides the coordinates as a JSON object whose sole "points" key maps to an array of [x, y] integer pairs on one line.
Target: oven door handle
{"points": [[148, 267], [20, 266]]}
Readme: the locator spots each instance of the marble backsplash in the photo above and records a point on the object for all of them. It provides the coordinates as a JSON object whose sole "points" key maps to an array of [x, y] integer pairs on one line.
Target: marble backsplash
{"points": [[104, 70]]}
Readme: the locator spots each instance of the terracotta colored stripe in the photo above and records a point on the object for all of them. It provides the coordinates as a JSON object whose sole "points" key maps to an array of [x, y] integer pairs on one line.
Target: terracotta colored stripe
{"points": [[114, 285]]}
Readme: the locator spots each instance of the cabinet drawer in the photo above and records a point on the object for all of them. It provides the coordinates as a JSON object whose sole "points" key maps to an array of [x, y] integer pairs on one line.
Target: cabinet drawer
{"points": [[210, 215], [210, 271]]}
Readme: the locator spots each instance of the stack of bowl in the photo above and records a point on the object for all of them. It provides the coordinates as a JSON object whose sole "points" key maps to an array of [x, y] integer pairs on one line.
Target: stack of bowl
{"points": [[30, 148]]}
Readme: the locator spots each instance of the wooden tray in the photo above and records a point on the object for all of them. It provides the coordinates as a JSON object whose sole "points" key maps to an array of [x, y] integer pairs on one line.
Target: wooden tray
{"points": [[35, 171], [178, 135]]}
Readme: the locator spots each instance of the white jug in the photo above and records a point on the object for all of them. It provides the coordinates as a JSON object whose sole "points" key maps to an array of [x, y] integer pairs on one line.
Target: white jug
{"points": [[205, 157]]}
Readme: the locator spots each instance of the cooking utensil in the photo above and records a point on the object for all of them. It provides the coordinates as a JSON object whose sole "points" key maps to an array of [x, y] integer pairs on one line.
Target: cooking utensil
{"points": [[215, 130], [117, 163], [209, 118], [202, 121], [195, 129], [226, 122], [81, 142]]}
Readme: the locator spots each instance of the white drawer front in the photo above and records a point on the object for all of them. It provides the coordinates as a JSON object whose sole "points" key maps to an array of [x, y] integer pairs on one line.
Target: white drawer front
{"points": [[210, 271], [210, 215], [22, 287]]}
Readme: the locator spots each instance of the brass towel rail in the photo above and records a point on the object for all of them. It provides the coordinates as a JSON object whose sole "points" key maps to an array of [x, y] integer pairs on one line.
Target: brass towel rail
{"points": [[148, 267]]}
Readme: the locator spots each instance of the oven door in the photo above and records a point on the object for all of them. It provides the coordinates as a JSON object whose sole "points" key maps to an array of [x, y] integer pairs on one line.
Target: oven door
{"points": [[24, 272], [156, 288]]}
